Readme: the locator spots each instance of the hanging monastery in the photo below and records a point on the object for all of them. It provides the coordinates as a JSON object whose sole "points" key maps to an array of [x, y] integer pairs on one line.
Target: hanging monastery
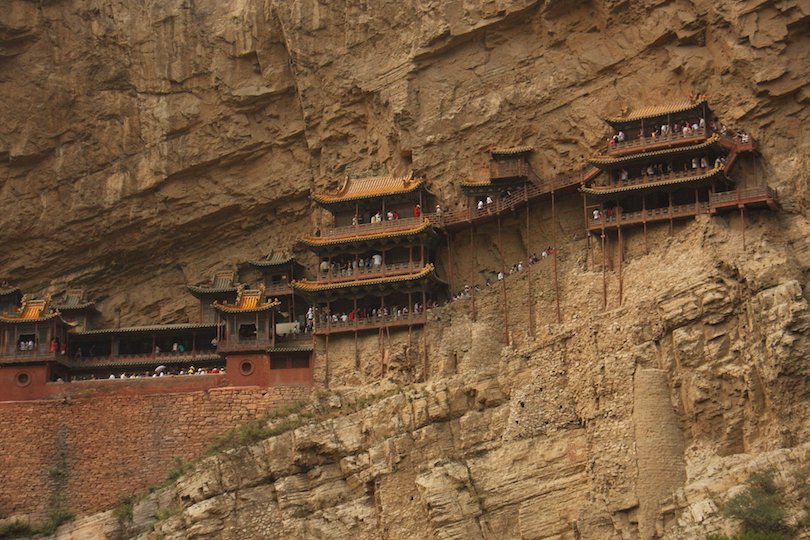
{"points": [[384, 260]]}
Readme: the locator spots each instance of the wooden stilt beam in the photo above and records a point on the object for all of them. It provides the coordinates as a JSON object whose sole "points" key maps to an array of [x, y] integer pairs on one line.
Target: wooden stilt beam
{"points": [[554, 247], [529, 271], [621, 260], [503, 284], [742, 223], [644, 218], [472, 269], [450, 272], [604, 270]]}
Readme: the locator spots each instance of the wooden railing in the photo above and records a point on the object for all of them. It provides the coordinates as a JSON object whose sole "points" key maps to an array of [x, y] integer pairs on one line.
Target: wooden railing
{"points": [[279, 289], [353, 274], [643, 144], [742, 197], [508, 168], [724, 199], [40, 352], [362, 229], [370, 323], [158, 358], [535, 189], [244, 344]]}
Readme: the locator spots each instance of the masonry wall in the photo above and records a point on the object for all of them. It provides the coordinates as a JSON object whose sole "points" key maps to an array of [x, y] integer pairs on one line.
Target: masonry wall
{"points": [[90, 452]]}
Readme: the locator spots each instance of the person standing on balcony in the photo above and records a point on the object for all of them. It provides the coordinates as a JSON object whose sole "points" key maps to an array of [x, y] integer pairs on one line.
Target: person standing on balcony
{"points": [[481, 204], [417, 211], [376, 261]]}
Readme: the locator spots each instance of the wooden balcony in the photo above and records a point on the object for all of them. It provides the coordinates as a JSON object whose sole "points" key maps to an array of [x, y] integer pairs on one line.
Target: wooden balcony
{"points": [[508, 168], [278, 289], [753, 197], [654, 180], [365, 229], [396, 269], [244, 344], [39, 354], [648, 144], [370, 323], [129, 360]]}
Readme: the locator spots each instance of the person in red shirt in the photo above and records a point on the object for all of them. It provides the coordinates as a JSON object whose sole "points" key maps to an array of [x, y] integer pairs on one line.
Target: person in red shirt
{"points": [[417, 211]]}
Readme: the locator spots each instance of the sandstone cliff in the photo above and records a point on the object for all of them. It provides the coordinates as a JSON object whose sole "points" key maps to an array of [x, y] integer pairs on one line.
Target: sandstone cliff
{"points": [[144, 146]]}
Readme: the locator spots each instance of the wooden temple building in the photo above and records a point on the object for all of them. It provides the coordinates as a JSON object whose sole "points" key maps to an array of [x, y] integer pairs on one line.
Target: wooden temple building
{"points": [[375, 269], [376, 255], [664, 164]]}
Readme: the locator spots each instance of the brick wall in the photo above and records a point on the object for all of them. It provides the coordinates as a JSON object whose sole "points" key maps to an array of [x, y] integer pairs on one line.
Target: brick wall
{"points": [[116, 444]]}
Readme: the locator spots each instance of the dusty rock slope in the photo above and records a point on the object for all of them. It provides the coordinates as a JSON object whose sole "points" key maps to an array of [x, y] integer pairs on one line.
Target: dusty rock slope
{"points": [[146, 144]]}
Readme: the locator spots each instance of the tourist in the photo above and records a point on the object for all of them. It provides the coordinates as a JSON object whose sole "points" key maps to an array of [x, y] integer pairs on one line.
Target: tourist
{"points": [[354, 220], [417, 211], [325, 266], [704, 162], [621, 136], [500, 275], [694, 163], [625, 174], [596, 214], [481, 204], [396, 215], [438, 211], [377, 261], [174, 347], [390, 216], [489, 200], [215, 341], [717, 162]]}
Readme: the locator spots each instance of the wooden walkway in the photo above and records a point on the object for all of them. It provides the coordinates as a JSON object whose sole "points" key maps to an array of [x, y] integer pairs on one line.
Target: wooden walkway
{"points": [[748, 198], [535, 189], [370, 323]]}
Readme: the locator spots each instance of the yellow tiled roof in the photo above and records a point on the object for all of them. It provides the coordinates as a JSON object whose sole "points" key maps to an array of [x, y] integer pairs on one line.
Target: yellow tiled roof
{"points": [[32, 310], [314, 286], [248, 300], [656, 111], [372, 235], [669, 181], [372, 186], [511, 151]]}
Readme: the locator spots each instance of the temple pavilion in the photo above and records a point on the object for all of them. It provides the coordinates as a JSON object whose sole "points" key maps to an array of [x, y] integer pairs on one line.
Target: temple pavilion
{"points": [[278, 271], [375, 268], [221, 288], [664, 164], [508, 172], [31, 342]]}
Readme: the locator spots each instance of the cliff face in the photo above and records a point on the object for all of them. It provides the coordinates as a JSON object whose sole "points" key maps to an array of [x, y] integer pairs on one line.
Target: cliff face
{"points": [[145, 145]]}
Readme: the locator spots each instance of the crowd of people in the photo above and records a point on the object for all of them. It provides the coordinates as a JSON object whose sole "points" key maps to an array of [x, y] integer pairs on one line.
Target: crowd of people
{"points": [[516, 268], [348, 266], [158, 372], [324, 316]]}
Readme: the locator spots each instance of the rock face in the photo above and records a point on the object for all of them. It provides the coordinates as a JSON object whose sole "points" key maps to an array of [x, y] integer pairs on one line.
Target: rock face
{"points": [[145, 145]]}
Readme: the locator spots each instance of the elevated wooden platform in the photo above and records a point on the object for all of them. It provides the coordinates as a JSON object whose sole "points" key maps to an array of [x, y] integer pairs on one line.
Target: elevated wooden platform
{"points": [[371, 323], [762, 197]]}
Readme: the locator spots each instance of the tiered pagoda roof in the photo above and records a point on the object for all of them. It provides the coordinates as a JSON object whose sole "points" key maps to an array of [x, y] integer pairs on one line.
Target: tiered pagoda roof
{"points": [[247, 301], [716, 173], [511, 151], [274, 260], [223, 282], [32, 311], [355, 189], [74, 300], [606, 162], [370, 286], [657, 111], [153, 328], [8, 290]]}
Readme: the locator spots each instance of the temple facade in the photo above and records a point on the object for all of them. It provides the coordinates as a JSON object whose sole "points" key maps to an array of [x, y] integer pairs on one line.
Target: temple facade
{"points": [[376, 256], [664, 164]]}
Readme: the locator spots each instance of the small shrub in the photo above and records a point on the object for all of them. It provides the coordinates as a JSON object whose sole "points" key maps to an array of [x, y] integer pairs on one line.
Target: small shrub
{"points": [[16, 529], [761, 510], [123, 512]]}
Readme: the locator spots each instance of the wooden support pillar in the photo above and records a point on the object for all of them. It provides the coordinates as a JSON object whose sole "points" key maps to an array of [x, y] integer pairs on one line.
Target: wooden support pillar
{"points": [[644, 220], [503, 285], [529, 265], [604, 269], [670, 213], [472, 268], [450, 271], [621, 260], [326, 361], [742, 222], [588, 254], [554, 259], [272, 329]]}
